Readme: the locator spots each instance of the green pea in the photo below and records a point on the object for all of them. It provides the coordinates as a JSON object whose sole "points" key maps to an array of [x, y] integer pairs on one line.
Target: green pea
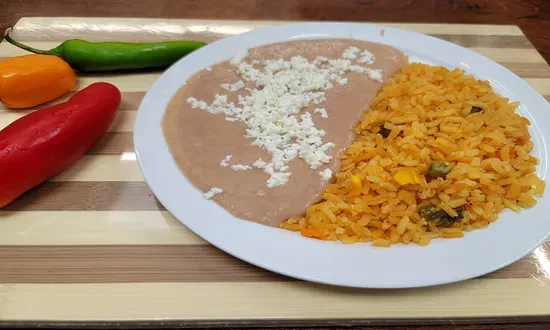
{"points": [[438, 169], [438, 217]]}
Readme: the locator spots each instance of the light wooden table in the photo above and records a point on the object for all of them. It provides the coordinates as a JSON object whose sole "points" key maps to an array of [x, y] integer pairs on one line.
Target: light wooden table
{"points": [[94, 245]]}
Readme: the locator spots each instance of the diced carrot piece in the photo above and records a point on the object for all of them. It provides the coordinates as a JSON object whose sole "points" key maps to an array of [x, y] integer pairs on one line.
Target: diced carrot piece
{"points": [[313, 233]]}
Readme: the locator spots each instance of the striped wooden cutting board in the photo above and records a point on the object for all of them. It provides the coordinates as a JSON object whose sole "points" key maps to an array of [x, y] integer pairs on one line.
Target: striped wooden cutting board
{"points": [[93, 244]]}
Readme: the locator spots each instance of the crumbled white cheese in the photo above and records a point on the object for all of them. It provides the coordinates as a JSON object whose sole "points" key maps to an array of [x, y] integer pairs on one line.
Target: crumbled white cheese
{"points": [[235, 167], [219, 106], [278, 179], [350, 53], [343, 81], [239, 57], [240, 167], [259, 163], [208, 69], [212, 192], [319, 60], [326, 174], [225, 161], [272, 111], [371, 73], [233, 87], [366, 57], [197, 104], [322, 112]]}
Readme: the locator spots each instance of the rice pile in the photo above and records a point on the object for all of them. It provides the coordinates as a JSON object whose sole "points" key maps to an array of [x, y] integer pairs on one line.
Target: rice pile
{"points": [[427, 114]]}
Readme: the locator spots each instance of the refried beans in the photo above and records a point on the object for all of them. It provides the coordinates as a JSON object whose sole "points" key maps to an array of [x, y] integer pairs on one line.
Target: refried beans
{"points": [[199, 140]]}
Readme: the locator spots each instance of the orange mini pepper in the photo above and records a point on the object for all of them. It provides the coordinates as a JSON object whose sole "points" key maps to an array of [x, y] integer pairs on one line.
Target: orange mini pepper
{"points": [[30, 80]]}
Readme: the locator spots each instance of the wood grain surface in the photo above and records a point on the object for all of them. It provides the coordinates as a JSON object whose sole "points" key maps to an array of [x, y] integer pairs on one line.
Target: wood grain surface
{"points": [[93, 245], [457, 11], [532, 16], [194, 263]]}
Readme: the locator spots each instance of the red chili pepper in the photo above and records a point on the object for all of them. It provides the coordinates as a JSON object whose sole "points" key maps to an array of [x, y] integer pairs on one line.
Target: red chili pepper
{"points": [[44, 143]]}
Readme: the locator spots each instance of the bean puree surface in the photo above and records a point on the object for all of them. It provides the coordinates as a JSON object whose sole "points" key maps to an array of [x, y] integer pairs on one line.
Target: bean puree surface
{"points": [[199, 140]]}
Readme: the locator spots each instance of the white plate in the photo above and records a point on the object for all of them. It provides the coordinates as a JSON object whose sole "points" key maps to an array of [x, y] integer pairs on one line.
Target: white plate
{"points": [[360, 265]]}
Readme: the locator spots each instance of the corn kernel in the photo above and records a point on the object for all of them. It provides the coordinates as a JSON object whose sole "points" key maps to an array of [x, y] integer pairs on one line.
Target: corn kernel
{"points": [[357, 186], [407, 176]]}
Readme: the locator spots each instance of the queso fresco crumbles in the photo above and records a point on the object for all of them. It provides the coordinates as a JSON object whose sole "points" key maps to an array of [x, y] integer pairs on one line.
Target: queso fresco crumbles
{"points": [[342, 139]]}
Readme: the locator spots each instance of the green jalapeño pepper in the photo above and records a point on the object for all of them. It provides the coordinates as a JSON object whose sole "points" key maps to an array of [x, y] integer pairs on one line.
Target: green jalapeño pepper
{"points": [[87, 56]]}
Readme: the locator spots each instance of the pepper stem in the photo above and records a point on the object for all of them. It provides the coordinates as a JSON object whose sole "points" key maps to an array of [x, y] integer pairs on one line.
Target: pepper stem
{"points": [[25, 47]]}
